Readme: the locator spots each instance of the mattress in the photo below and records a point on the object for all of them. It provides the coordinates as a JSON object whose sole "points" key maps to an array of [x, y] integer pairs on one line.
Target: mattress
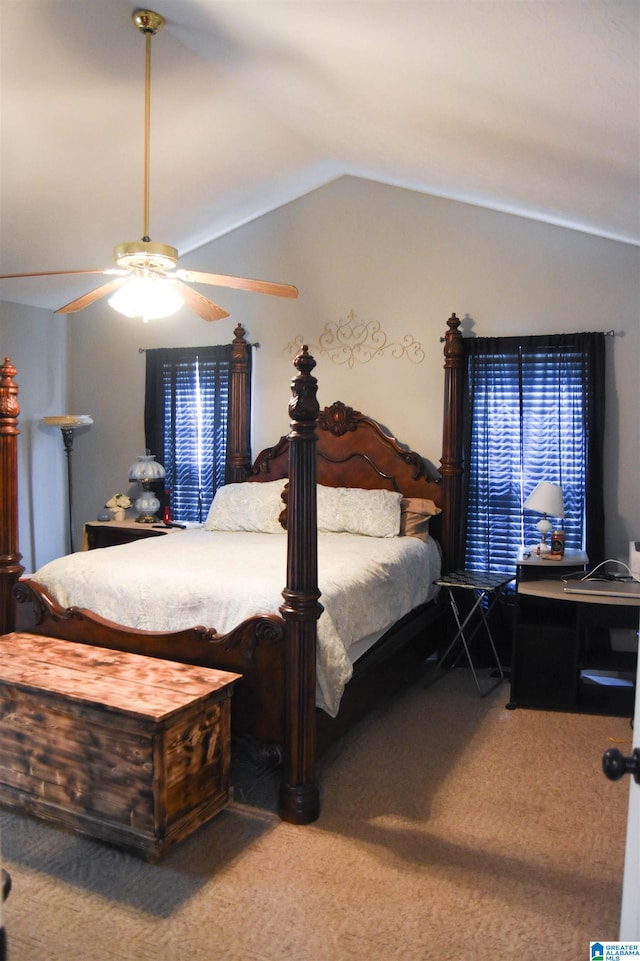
{"points": [[218, 579]]}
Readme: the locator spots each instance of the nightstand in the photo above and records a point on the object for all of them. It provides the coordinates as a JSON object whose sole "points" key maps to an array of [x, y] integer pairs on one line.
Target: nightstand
{"points": [[533, 567], [111, 533]]}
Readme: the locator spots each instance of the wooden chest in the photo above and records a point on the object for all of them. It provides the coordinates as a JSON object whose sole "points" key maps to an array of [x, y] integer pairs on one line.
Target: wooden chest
{"points": [[128, 749]]}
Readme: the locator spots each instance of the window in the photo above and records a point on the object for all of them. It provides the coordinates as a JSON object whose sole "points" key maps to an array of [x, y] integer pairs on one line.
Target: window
{"points": [[534, 411], [186, 406]]}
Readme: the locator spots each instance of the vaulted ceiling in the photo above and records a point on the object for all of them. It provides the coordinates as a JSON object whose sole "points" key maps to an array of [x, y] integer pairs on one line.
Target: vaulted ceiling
{"points": [[525, 106]]}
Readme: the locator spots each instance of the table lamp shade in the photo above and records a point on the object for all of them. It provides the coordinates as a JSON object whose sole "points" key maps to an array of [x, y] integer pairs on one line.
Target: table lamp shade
{"points": [[546, 498], [146, 469]]}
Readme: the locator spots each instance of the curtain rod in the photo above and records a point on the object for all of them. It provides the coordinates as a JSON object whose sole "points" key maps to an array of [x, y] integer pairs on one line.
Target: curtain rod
{"points": [[606, 333], [143, 350]]}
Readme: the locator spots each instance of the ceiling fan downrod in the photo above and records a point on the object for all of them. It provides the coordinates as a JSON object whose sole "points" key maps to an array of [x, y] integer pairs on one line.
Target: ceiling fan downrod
{"points": [[144, 253]]}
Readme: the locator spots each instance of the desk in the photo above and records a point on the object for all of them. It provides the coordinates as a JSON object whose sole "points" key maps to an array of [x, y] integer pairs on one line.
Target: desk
{"points": [[487, 589], [552, 666]]}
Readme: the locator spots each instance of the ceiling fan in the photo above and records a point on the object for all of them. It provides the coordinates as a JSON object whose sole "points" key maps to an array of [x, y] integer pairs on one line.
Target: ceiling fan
{"points": [[147, 282]]}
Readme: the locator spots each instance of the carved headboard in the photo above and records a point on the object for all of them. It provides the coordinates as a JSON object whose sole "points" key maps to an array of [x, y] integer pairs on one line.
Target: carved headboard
{"points": [[354, 451]]}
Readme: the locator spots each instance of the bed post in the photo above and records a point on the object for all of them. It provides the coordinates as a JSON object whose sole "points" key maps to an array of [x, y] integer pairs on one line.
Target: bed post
{"points": [[299, 793], [239, 442], [10, 566], [451, 463]]}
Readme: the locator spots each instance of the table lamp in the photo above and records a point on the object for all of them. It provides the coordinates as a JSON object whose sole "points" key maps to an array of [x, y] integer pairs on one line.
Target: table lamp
{"points": [[145, 471], [545, 499]]}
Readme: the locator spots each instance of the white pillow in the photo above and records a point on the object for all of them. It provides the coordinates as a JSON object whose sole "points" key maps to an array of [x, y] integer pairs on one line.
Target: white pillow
{"points": [[353, 510], [247, 507]]}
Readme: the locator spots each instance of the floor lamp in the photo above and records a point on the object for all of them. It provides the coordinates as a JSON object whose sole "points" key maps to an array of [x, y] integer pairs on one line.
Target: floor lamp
{"points": [[68, 423]]}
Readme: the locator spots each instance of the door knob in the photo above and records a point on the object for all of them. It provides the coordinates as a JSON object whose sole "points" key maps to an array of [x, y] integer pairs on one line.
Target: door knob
{"points": [[615, 765]]}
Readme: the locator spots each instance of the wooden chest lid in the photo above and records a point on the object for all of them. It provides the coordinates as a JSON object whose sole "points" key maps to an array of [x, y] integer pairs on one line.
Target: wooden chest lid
{"points": [[130, 683]]}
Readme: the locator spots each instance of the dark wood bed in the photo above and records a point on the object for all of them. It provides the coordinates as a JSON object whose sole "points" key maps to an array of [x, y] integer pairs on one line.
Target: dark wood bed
{"points": [[275, 704]]}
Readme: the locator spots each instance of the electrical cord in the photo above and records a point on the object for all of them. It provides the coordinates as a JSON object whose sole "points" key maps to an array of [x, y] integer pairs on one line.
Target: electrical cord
{"points": [[590, 575]]}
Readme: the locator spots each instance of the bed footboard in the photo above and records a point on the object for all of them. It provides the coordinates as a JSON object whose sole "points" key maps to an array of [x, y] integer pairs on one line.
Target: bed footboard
{"points": [[255, 649]]}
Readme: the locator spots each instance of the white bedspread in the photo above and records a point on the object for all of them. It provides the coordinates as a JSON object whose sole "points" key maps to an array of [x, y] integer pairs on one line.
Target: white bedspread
{"points": [[216, 579]]}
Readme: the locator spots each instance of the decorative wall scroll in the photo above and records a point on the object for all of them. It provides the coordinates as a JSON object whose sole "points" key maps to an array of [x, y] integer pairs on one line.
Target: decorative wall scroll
{"points": [[354, 341]]}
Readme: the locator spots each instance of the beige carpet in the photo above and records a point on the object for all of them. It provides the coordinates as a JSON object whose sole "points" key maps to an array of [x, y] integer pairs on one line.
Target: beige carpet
{"points": [[451, 828]]}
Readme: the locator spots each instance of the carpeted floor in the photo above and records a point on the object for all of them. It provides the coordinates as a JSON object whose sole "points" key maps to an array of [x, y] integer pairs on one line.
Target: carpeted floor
{"points": [[451, 828]]}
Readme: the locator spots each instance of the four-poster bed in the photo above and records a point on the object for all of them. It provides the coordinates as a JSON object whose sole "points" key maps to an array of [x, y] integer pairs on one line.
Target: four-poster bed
{"points": [[275, 652]]}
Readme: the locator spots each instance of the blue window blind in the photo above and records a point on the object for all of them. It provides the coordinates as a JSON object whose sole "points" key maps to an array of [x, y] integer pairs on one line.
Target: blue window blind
{"points": [[528, 419], [186, 421]]}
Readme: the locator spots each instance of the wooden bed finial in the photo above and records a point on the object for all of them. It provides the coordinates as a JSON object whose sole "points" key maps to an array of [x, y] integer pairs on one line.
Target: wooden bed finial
{"points": [[303, 406], [9, 406]]}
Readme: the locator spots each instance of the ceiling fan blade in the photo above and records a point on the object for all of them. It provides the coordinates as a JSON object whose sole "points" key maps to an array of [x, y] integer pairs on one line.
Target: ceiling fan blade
{"points": [[57, 273], [81, 302], [199, 304], [239, 283]]}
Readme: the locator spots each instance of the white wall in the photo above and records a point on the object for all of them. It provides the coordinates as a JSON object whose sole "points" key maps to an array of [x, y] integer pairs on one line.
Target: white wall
{"points": [[396, 258], [36, 342]]}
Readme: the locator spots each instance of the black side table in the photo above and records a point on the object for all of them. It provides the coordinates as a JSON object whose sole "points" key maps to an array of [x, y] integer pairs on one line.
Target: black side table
{"points": [[487, 588]]}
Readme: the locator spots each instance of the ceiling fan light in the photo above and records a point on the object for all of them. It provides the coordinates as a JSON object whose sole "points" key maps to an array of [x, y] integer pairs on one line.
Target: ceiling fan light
{"points": [[147, 297]]}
